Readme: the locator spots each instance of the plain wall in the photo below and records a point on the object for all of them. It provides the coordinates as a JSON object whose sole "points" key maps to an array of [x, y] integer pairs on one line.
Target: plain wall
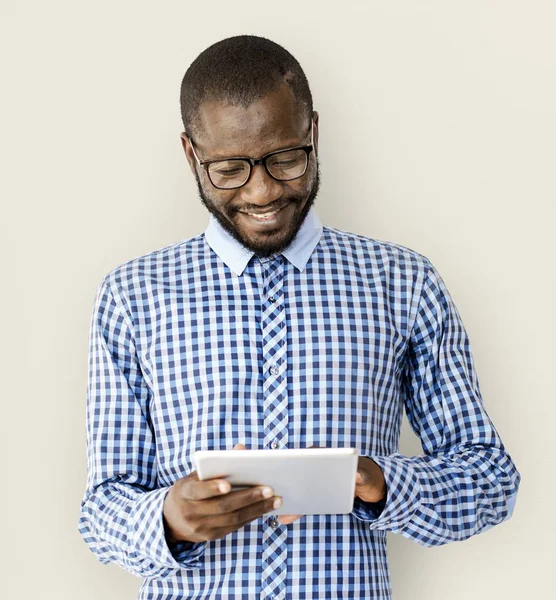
{"points": [[437, 131]]}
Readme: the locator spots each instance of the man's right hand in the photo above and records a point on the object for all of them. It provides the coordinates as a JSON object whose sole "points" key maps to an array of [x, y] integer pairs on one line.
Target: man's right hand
{"points": [[198, 511]]}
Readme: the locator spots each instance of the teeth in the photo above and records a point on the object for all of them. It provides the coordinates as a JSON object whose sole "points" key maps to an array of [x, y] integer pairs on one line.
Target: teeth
{"points": [[265, 216]]}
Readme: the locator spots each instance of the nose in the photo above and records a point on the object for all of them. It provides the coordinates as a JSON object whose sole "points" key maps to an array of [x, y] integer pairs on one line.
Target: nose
{"points": [[261, 188]]}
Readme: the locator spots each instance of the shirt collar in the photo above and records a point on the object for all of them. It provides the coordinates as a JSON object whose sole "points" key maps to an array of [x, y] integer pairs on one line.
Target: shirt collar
{"points": [[236, 256]]}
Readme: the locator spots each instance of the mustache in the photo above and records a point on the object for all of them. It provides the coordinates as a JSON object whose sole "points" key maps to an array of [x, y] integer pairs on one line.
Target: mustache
{"points": [[281, 203]]}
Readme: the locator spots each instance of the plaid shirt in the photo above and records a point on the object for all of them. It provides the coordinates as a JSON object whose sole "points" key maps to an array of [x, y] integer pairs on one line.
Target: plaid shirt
{"points": [[202, 345]]}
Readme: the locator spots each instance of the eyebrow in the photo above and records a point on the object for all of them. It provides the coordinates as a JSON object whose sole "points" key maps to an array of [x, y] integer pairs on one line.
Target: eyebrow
{"points": [[229, 156]]}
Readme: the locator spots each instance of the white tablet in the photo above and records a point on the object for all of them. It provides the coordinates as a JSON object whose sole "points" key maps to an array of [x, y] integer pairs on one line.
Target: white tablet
{"points": [[311, 481]]}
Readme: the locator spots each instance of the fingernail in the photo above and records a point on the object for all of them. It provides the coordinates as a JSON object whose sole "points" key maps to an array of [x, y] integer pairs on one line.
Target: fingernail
{"points": [[223, 487], [267, 492], [277, 503]]}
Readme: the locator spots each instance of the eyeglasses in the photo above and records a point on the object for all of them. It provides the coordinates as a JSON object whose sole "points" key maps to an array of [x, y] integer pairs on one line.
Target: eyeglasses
{"points": [[282, 165]]}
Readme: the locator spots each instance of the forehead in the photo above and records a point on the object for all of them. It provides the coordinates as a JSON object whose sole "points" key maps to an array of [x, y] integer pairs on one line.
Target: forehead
{"points": [[272, 122]]}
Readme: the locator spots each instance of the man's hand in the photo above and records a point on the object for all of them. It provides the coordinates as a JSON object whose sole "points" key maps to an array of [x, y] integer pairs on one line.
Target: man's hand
{"points": [[370, 484], [198, 511]]}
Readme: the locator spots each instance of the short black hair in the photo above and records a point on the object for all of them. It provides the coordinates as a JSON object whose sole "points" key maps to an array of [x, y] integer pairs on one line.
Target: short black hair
{"points": [[239, 70]]}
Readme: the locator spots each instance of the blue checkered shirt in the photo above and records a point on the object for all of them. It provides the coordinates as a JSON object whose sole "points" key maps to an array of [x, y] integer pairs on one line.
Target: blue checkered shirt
{"points": [[201, 345]]}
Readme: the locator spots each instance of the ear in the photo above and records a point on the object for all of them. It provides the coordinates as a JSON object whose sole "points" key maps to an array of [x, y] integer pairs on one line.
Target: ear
{"points": [[316, 132], [186, 144]]}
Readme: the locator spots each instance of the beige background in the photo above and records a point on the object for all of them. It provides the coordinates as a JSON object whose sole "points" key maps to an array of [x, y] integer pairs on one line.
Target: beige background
{"points": [[438, 132]]}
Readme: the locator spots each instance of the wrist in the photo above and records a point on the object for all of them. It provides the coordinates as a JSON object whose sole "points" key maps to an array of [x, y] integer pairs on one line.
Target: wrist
{"points": [[169, 531]]}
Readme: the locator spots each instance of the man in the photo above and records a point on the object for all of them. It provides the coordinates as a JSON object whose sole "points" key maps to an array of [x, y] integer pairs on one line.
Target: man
{"points": [[271, 331]]}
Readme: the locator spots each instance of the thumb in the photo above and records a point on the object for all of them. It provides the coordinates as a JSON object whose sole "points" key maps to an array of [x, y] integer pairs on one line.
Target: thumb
{"points": [[240, 447]]}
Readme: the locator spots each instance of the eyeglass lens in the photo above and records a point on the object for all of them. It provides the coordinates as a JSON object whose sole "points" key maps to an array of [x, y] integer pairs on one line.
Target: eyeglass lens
{"points": [[282, 165]]}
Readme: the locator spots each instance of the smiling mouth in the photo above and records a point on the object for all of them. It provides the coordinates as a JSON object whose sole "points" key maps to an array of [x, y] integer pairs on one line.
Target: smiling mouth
{"points": [[265, 217]]}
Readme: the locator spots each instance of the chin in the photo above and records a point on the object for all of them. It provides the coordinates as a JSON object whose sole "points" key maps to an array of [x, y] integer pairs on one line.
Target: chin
{"points": [[273, 242], [265, 248]]}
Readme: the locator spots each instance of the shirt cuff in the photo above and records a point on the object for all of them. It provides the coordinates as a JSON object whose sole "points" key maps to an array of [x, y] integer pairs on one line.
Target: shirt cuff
{"points": [[402, 496], [148, 537]]}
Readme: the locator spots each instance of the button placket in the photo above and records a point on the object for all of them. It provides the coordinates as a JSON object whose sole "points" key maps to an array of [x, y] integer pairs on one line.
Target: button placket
{"points": [[275, 401]]}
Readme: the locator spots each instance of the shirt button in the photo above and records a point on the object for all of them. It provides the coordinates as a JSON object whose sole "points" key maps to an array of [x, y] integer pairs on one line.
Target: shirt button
{"points": [[275, 444], [274, 370], [274, 523], [273, 299]]}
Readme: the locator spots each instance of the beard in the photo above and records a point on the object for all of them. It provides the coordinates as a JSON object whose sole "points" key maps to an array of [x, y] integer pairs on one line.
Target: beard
{"points": [[262, 246]]}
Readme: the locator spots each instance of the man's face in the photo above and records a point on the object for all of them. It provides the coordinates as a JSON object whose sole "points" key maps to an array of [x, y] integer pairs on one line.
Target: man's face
{"points": [[272, 123]]}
